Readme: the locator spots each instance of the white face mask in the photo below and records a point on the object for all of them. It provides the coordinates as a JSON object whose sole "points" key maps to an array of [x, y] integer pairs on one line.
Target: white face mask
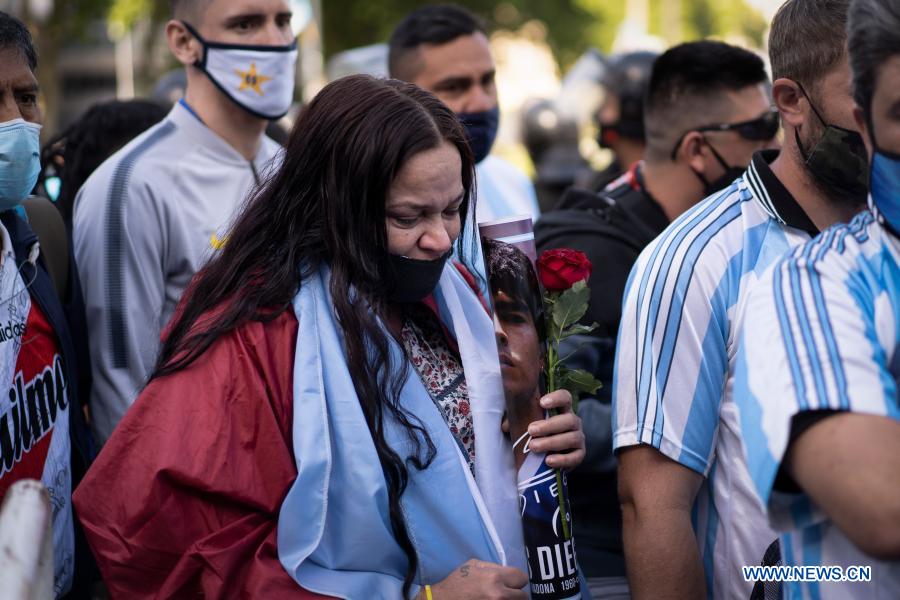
{"points": [[259, 79]]}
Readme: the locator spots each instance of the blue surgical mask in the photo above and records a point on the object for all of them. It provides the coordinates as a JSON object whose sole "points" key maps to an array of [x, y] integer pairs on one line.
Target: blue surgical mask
{"points": [[20, 161], [481, 129], [884, 185]]}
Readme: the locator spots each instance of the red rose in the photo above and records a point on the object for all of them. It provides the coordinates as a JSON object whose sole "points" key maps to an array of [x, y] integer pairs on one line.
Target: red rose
{"points": [[562, 268]]}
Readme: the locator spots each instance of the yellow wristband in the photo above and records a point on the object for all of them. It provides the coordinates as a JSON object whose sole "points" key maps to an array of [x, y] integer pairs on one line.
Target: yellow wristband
{"points": [[428, 595]]}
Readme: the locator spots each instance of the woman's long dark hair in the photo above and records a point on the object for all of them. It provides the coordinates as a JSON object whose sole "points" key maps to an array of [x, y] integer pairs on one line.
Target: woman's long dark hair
{"points": [[326, 205]]}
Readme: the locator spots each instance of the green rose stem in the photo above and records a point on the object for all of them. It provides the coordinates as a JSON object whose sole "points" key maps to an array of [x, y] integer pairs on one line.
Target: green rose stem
{"points": [[552, 360], [567, 305]]}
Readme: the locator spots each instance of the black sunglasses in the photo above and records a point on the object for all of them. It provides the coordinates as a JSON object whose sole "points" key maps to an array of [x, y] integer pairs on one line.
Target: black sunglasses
{"points": [[761, 128]]}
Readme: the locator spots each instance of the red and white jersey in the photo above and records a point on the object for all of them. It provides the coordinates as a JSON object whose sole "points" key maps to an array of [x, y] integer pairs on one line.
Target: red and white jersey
{"points": [[34, 414]]}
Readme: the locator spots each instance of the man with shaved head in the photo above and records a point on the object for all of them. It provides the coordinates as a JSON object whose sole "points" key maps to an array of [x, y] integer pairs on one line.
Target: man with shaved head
{"points": [[148, 217]]}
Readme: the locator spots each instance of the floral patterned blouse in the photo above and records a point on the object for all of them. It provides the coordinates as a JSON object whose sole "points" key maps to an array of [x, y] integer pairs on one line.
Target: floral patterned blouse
{"points": [[440, 369]]}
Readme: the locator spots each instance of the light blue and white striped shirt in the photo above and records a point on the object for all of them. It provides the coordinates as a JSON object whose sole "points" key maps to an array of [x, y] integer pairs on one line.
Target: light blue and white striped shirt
{"points": [[826, 328], [677, 340]]}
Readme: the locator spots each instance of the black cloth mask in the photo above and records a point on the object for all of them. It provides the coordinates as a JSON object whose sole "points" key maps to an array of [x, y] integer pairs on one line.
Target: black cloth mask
{"points": [[838, 162], [410, 279], [608, 136], [731, 173]]}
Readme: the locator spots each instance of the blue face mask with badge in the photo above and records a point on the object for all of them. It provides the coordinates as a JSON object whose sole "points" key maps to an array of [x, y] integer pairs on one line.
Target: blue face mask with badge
{"points": [[20, 161]]}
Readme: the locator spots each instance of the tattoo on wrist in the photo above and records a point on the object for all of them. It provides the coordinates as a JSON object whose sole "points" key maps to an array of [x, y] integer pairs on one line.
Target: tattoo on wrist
{"points": [[464, 570]]}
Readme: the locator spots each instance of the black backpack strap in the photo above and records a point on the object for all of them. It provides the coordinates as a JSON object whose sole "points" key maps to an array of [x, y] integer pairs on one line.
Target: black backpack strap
{"points": [[605, 215], [47, 224]]}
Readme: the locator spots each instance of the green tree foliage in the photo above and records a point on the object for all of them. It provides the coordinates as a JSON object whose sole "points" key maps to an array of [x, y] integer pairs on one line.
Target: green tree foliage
{"points": [[572, 25], [701, 19], [718, 18], [123, 14]]}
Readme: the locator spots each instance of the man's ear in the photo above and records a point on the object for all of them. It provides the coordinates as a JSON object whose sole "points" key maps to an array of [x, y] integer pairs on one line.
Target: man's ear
{"points": [[692, 151], [862, 123], [184, 46], [791, 102]]}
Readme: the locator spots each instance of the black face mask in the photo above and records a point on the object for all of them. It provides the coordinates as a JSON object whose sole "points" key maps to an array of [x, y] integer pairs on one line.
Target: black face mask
{"points": [[730, 174], [838, 162], [411, 280], [609, 135]]}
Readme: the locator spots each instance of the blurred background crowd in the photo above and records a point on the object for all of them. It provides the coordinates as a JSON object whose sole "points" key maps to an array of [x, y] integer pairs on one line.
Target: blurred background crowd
{"points": [[553, 61]]}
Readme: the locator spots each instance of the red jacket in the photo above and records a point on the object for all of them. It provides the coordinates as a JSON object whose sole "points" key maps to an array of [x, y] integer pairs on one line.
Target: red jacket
{"points": [[184, 498], [219, 432]]}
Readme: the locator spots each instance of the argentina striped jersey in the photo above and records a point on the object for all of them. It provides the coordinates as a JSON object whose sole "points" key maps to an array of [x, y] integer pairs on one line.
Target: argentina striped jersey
{"points": [[677, 337], [826, 328]]}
